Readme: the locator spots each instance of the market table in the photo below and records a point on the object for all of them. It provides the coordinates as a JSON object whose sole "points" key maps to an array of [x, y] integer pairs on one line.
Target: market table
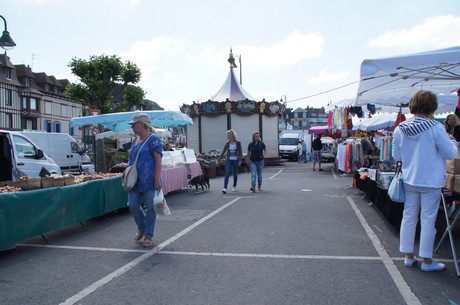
{"points": [[31, 213]]}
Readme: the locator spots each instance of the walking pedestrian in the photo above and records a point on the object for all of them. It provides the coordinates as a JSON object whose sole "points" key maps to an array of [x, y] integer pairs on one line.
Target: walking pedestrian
{"points": [[317, 147], [423, 146], [256, 154], [147, 146], [304, 151], [299, 152], [233, 155]]}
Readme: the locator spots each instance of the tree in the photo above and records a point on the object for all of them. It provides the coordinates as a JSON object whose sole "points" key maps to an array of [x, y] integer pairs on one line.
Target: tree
{"points": [[99, 77]]}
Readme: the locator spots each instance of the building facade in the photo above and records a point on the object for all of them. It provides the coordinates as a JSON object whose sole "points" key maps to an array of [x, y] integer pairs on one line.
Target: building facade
{"points": [[304, 118], [35, 101]]}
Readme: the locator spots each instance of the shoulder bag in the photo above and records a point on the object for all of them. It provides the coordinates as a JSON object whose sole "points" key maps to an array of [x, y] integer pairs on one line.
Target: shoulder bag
{"points": [[129, 177], [396, 188]]}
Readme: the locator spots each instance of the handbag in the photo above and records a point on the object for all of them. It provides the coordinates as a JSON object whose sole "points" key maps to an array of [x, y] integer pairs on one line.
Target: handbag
{"points": [[129, 177], [396, 188]]}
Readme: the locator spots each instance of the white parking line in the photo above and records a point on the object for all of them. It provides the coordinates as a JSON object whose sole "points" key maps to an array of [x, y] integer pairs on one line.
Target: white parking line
{"points": [[398, 279], [279, 172], [93, 287]]}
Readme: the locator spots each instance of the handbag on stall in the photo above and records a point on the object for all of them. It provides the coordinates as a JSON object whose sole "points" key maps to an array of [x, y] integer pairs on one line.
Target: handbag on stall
{"points": [[396, 188], [129, 177]]}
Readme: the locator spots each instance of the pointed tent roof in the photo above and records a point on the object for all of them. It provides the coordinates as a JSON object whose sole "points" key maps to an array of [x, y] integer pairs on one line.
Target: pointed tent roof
{"points": [[231, 89]]}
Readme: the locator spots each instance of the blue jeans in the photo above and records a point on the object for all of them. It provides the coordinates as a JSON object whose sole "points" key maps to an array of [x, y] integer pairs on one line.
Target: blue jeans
{"points": [[256, 172], [141, 207], [229, 166]]}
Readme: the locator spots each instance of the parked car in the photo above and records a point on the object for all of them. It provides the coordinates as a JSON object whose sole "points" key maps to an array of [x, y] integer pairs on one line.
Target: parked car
{"points": [[19, 156]]}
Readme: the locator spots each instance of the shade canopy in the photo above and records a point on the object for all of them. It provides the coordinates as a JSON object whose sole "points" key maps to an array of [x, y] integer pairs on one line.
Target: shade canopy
{"points": [[322, 130], [381, 121], [393, 80], [129, 133], [119, 120]]}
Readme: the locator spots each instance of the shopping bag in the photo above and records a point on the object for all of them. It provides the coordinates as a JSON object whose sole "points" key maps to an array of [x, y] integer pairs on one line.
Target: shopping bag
{"points": [[396, 189], [129, 178], [160, 204]]}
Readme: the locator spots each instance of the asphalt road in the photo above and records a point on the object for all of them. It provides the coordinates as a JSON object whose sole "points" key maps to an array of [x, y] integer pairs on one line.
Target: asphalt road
{"points": [[307, 238]]}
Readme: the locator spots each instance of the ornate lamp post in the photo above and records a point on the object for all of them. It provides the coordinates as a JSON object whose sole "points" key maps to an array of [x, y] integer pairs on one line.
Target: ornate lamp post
{"points": [[6, 42]]}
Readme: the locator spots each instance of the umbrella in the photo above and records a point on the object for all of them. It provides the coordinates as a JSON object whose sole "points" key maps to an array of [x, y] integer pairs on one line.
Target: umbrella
{"points": [[119, 120], [382, 121], [394, 80]]}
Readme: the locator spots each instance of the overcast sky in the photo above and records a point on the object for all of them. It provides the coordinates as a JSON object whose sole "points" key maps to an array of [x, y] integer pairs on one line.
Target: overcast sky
{"points": [[290, 49]]}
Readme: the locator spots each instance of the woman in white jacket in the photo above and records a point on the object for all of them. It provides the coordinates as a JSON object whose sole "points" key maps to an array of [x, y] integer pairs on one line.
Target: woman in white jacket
{"points": [[423, 146]]}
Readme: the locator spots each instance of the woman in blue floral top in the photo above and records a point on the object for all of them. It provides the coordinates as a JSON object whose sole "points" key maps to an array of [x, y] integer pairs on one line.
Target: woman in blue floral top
{"points": [[140, 198]]}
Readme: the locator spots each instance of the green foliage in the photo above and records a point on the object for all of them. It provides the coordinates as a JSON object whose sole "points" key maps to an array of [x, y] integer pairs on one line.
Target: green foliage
{"points": [[99, 77]]}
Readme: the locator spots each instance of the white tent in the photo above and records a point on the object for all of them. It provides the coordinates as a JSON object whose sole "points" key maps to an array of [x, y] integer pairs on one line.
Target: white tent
{"points": [[393, 80], [381, 121]]}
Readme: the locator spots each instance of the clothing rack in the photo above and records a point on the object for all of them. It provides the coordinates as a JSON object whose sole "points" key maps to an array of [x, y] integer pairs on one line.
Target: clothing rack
{"points": [[450, 220]]}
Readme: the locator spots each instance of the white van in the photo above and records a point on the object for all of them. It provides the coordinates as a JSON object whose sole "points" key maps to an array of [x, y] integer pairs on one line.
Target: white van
{"points": [[19, 156], [60, 147]]}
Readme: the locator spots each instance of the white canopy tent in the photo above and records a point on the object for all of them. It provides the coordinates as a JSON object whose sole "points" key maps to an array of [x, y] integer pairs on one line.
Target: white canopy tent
{"points": [[381, 121], [393, 80]]}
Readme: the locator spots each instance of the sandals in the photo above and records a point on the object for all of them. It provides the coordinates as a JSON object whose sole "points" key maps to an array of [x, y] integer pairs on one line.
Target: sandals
{"points": [[147, 242], [138, 235]]}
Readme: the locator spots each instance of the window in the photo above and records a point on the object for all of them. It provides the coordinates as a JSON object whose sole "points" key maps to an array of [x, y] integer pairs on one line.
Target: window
{"points": [[24, 102], [24, 148], [63, 110], [48, 108], [27, 81], [8, 120], [8, 73], [48, 126], [29, 123], [33, 104], [58, 126], [8, 97]]}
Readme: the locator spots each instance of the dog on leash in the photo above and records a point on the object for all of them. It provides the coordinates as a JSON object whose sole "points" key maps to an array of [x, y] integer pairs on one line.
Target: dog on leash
{"points": [[201, 180]]}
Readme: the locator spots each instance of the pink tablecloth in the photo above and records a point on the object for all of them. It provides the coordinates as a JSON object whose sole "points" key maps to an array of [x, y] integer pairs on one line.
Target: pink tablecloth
{"points": [[176, 178]]}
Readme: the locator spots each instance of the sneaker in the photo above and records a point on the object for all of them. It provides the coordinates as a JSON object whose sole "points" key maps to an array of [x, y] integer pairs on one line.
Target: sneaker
{"points": [[259, 189], [224, 191], [313, 169], [434, 266], [233, 189], [147, 242], [320, 169], [409, 262], [252, 189]]}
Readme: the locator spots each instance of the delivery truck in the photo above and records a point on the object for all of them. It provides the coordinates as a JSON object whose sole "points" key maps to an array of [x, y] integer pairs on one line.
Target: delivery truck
{"points": [[62, 148]]}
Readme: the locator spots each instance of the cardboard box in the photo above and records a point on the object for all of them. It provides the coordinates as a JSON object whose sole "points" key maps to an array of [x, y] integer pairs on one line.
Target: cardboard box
{"points": [[452, 182], [449, 183], [453, 166]]}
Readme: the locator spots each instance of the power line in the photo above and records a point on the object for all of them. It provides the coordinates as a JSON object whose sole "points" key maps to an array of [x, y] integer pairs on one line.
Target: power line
{"points": [[316, 94]]}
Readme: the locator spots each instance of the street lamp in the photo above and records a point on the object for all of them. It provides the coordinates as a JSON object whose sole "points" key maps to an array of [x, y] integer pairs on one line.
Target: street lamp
{"points": [[6, 42]]}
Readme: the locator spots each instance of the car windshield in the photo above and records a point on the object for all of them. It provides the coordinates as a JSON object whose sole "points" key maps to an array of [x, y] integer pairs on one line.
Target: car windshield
{"points": [[289, 141]]}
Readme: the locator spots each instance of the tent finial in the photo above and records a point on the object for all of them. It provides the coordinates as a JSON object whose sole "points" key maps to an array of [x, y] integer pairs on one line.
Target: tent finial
{"points": [[231, 60]]}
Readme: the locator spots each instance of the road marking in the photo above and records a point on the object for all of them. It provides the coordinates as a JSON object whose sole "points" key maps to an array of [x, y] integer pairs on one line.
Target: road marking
{"points": [[279, 172], [398, 279], [93, 287], [290, 256]]}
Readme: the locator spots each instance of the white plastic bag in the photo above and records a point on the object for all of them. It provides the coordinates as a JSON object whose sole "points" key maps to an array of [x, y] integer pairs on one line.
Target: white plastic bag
{"points": [[160, 204]]}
